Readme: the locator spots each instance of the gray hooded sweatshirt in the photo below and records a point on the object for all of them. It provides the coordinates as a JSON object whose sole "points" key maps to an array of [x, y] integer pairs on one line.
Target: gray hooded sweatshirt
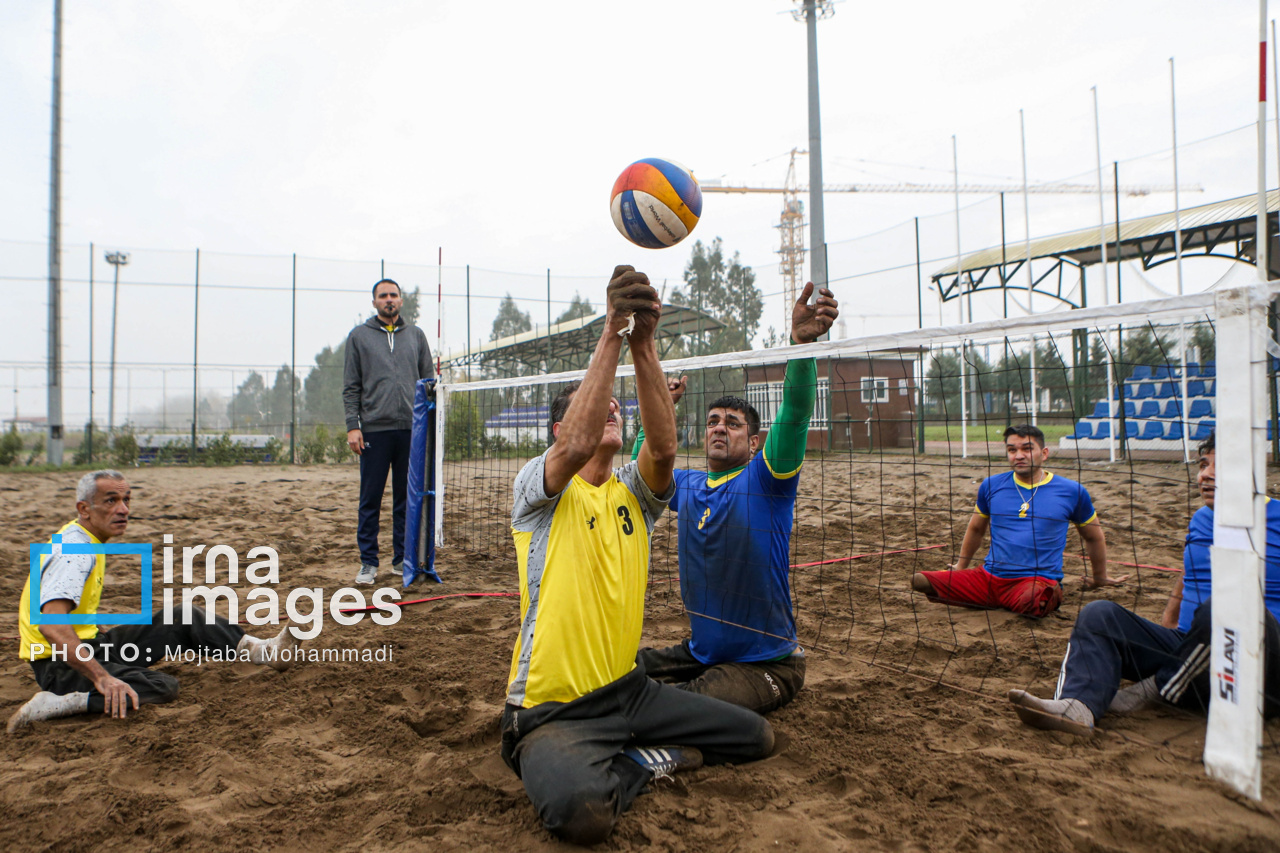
{"points": [[382, 367]]}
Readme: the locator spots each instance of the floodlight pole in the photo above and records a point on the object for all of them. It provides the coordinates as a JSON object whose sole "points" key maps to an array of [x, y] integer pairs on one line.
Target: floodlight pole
{"points": [[117, 260], [54, 454], [811, 11]]}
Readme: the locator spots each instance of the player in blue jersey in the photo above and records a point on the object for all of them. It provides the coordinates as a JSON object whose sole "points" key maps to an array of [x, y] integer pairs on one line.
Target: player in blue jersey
{"points": [[1169, 662], [1028, 512], [735, 536]]}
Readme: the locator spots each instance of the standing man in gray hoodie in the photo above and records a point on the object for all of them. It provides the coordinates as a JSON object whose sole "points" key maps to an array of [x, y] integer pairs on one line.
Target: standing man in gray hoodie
{"points": [[385, 359]]}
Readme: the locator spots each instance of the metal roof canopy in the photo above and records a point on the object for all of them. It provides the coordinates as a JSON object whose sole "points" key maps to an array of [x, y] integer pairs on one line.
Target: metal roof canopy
{"points": [[1223, 229], [579, 337]]}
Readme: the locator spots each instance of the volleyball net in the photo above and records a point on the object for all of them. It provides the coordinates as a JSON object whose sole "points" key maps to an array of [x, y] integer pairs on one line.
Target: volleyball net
{"points": [[904, 429]]}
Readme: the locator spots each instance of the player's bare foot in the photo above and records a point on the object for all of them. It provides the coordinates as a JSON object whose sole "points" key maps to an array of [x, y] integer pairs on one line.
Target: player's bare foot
{"points": [[1060, 715]]}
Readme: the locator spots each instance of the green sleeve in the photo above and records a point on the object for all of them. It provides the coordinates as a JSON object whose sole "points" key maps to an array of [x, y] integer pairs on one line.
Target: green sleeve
{"points": [[635, 448], [784, 445]]}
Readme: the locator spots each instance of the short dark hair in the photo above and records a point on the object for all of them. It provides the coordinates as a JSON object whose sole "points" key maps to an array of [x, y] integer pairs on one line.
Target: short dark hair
{"points": [[737, 404], [381, 281], [1025, 431], [559, 406], [1205, 447]]}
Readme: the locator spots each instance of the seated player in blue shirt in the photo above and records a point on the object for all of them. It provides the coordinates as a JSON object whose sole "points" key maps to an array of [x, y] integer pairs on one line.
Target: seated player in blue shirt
{"points": [[1028, 512], [735, 537], [1170, 661]]}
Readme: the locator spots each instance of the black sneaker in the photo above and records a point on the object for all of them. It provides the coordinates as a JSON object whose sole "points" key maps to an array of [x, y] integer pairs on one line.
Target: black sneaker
{"points": [[662, 761]]}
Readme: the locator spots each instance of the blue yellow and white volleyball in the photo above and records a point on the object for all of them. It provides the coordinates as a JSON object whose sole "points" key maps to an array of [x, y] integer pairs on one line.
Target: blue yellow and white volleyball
{"points": [[656, 203]]}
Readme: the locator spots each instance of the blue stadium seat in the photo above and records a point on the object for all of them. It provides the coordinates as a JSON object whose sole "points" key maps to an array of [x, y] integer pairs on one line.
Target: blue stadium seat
{"points": [[1164, 371], [1172, 408], [1083, 430], [1167, 389], [1130, 409], [1201, 408], [1131, 429], [1101, 409], [1209, 369], [1152, 429], [1193, 368], [1203, 430], [1103, 430], [1144, 390], [1141, 371], [1195, 388], [1174, 432], [1149, 409]]}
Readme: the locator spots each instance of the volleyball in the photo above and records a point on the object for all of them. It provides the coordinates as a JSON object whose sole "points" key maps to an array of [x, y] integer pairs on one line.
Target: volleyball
{"points": [[655, 203]]}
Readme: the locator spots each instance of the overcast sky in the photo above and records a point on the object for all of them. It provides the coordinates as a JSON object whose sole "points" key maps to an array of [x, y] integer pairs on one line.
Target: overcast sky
{"points": [[494, 131]]}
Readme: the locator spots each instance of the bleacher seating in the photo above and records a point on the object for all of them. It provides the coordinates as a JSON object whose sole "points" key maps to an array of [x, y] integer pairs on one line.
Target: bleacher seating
{"points": [[1152, 397], [1202, 408], [1083, 430]]}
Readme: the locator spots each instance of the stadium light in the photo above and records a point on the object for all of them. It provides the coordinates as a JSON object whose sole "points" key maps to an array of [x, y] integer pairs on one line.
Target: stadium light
{"points": [[117, 260]]}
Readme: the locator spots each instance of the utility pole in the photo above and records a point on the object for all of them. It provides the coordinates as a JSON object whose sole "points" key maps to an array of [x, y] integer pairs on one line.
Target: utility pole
{"points": [[55, 247], [117, 260], [811, 11]]}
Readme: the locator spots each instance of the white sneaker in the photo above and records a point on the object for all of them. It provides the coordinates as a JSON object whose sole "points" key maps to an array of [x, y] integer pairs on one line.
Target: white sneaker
{"points": [[367, 574], [48, 706]]}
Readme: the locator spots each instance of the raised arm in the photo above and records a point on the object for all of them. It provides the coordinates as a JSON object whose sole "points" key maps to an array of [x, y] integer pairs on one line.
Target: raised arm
{"points": [[784, 446], [657, 457], [583, 425], [677, 388]]}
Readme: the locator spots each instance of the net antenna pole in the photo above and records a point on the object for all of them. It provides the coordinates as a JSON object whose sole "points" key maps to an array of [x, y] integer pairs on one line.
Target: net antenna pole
{"points": [[1177, 254], [1106, 289], [964, 377], [1026, 248], [1233, 740]]}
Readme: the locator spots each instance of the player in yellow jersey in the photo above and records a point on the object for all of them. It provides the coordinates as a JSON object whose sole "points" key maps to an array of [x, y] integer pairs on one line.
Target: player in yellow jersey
{"points": [[584, 728], [80, 670]]}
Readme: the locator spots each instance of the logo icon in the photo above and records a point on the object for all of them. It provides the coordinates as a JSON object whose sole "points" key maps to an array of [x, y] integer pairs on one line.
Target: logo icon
{"points": [[39, 550]]}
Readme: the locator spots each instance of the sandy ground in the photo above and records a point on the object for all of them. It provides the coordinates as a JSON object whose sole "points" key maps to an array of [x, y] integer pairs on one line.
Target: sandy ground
{"points": [[901, 740]]}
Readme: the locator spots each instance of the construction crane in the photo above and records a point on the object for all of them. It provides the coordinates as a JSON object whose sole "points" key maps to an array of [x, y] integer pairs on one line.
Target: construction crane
{"points": [[791, 224]]}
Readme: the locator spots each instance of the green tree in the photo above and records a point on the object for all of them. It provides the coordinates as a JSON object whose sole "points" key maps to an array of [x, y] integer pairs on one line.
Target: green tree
{"points": [[322, 389], [248, 404], [279, 402], [10, 446], [409, 308], [727, 292], [942, 383], [1204, 340], [1144, 346], [510, 320], [579, 307]]}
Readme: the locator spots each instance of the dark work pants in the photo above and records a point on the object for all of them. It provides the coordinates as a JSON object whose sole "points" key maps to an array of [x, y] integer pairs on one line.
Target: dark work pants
{"points": [[1109, 643], [569, 754], [762, 687], [150, 641], [388, 449]]}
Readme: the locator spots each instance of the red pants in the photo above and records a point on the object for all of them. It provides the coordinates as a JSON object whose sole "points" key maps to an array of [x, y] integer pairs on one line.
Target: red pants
{"points": [[976, 587]]}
